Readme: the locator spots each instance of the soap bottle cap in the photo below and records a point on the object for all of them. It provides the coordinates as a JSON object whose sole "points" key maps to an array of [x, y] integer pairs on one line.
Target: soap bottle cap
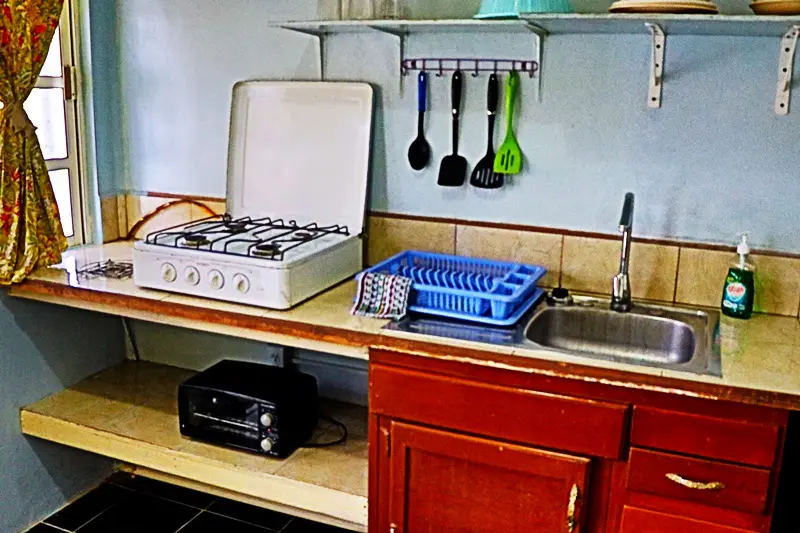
{"points": [[743, 249]]}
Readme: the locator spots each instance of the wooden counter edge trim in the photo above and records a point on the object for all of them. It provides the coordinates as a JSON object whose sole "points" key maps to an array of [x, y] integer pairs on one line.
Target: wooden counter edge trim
{"points": [[270, 487], [238, 496], [264, 324], [604, 376], [332, 335]]}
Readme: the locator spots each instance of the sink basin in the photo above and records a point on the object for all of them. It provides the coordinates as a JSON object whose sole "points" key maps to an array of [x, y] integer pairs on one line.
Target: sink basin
{"points": [[647, 335]]}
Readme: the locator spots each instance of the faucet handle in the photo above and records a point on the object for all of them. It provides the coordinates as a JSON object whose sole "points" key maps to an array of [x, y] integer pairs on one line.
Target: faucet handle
{"points": [[626, 220]]}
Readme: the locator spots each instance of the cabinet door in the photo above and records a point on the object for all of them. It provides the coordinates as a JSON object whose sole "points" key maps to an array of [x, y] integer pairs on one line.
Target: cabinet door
{"points": [[442, 481]]}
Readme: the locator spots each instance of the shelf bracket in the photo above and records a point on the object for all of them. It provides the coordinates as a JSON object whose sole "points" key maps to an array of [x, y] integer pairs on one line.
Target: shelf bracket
{"points": [[539, 35], [656, 65], [401, 36], [785, 72], [320, 36]]}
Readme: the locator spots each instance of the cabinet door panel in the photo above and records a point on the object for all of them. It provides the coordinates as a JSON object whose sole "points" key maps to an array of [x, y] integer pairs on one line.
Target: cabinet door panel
{"points": [[586, 427], [642, 521], [705, 436], [442, 481]]}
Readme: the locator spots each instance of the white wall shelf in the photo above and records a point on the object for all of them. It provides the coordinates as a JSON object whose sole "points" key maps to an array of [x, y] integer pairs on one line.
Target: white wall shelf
{"points": [[571, 23], [659, 26]]}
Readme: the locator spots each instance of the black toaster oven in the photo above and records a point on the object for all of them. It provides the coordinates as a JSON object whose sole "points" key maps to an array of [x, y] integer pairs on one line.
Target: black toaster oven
{"points": [[255, 407]]}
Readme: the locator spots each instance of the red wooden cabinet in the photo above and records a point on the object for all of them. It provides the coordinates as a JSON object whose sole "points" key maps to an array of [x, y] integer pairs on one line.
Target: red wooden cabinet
{"points": [[445, 481], [456, 447]]}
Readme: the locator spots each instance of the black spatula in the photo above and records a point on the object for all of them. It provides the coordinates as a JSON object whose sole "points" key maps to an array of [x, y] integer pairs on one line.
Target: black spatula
{"points": [[453, 170], [483, 175]]}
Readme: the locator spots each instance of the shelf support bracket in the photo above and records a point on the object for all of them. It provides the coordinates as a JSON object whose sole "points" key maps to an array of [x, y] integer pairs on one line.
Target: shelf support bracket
{"points": [[538, 40], [785, 72], [320, 36], [656, 65], [401, 36]]}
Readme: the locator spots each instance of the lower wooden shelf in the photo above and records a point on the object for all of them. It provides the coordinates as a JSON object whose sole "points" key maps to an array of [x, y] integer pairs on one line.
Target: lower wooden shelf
{"points": [[130, 413]]}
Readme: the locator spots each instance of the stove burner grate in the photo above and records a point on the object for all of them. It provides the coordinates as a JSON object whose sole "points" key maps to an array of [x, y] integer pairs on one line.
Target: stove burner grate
{"points": [[265, 238]]}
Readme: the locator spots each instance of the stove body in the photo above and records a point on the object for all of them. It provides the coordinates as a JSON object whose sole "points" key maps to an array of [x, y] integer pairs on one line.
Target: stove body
{"points": [[297, 179]]}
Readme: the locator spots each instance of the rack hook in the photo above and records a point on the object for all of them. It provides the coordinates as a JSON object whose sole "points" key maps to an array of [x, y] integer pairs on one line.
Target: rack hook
{"points": [[495, 67], [441, 69], [477, 71]]}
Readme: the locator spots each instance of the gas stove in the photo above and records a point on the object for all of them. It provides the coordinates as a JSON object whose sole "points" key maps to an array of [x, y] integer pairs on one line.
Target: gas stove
{"points": [[268, 251]]}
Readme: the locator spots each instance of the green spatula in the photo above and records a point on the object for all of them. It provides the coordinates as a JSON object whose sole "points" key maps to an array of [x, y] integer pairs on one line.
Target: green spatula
{"points": [[509, 156]]}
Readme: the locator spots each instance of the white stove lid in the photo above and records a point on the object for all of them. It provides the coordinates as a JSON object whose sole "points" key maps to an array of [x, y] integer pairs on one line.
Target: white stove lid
{"points": [[300, 151]]}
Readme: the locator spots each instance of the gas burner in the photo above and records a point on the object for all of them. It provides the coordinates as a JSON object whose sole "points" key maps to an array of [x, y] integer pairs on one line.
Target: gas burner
{"points": [[236, 226], [266, 249], [194, 241], [304, 235]]}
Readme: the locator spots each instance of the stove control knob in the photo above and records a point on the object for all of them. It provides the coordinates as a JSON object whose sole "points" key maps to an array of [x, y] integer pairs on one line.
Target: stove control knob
{"points": [[267, 420], [267, 445], [191, 275], [241, 283], [168, 272], [217, 280]]}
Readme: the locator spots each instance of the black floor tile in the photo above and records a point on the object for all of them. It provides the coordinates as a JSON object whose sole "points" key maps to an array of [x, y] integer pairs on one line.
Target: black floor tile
{"points": [[300, 525], [248, 513], [175, 493], [141, 513], [214, 523], [44, 528], [88, 506]]}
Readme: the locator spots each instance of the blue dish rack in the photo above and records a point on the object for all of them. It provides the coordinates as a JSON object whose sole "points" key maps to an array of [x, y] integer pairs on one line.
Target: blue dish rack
{"points": [[479, 290]]}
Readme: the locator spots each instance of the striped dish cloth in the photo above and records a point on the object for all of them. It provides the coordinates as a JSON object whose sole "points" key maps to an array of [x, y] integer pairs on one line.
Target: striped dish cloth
{"points": [[382, 296]]}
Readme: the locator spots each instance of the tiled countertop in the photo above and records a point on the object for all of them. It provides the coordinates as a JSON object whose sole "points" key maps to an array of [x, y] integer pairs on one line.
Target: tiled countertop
{"points": [[760, 357]]}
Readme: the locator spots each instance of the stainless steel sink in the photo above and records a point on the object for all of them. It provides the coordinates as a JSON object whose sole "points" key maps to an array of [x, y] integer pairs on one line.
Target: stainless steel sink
{"points": [[649, 335], [646, 335]]}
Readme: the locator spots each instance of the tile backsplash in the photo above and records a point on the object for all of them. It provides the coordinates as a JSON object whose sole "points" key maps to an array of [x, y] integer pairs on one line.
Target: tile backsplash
{"points": [[672, 272]]}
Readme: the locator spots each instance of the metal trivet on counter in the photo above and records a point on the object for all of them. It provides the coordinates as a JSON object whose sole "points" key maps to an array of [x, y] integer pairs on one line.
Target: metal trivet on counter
{"points": [[107, 269]]}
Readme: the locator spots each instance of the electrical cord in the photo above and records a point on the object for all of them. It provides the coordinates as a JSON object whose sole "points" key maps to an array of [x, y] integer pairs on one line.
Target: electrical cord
{"points": [[129, 333], [340, 440]]}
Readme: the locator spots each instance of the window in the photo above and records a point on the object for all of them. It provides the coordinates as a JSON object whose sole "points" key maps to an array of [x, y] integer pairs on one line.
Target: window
{"points": [[53, 109]]}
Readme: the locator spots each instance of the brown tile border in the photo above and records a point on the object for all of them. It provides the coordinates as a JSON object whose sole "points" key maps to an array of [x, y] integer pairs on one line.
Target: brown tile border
{"points": [[515, 227], [173, 196], [577, 233]]}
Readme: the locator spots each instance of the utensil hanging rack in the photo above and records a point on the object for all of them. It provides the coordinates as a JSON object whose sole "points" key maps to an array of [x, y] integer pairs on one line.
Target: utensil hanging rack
{"points": [[475, 66]]}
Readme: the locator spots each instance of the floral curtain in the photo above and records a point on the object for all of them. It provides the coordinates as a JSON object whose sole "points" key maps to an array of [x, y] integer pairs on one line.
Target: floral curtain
{"points": [[30, 228]]}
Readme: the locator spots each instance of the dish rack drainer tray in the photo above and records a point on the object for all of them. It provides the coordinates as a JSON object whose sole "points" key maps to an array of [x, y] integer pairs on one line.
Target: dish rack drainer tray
{"points": [[478, 290]]}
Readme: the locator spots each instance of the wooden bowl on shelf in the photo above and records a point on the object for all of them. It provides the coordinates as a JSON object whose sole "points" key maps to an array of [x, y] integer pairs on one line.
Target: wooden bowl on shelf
{"points": [[776, 7]]}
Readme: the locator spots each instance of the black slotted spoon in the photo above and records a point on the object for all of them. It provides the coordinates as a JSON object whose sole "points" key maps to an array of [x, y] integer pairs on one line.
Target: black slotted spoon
{"points": [[484, 176], [453, 170]]}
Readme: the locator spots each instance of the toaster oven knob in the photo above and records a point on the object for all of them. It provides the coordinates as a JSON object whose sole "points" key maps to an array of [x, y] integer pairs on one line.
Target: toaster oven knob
{"points": [[191, 275], [241, 283], [168, 272], [217, 280], [266, 420], [267, 445]]}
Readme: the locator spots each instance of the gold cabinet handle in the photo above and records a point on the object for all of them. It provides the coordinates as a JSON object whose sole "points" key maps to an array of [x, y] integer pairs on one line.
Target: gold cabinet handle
{"points": [[573, 500], [696, 485]]}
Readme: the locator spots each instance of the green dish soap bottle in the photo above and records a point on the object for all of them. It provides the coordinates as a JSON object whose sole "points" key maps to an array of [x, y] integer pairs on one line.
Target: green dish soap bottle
{"points": [[739, 292]]}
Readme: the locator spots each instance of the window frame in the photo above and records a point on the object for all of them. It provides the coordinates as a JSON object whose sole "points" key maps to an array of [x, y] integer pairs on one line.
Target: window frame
{"points": [[73, 110]]}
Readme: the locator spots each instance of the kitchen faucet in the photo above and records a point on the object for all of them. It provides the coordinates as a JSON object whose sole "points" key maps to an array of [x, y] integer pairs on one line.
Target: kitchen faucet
{"points": [[621, 284]]}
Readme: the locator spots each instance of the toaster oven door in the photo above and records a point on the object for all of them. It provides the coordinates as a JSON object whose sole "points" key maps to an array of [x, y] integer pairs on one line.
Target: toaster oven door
{"points": [[220, 417]]}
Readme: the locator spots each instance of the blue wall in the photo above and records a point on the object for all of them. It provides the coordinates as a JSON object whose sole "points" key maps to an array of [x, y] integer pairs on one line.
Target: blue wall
{"points": [[714, 161], [44, 348]]}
